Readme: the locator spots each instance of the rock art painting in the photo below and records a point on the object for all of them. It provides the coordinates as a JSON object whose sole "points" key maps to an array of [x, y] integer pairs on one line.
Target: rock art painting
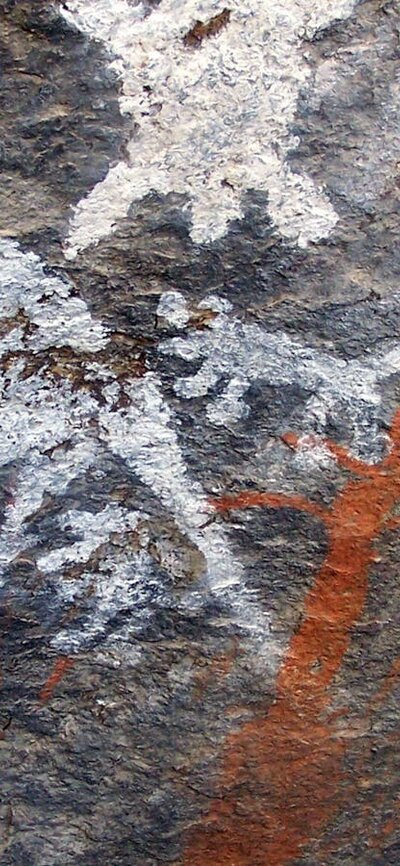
{"points": [[208, 124], [291, 759], [240, 354], [200, 433]]}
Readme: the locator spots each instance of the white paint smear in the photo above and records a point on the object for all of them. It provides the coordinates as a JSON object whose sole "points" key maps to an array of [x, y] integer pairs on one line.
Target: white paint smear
{"points": [[94, 530], [36, 415], [172, 306], [312, 455], [122, 582], [37, 475], [209, 122], [144, 436], [59, 319], [244, 354], [53, 433]]}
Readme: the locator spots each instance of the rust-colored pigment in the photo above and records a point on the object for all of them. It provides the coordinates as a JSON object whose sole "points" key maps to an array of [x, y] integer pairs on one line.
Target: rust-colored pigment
{"points": [[280, 780], [62, 665]]}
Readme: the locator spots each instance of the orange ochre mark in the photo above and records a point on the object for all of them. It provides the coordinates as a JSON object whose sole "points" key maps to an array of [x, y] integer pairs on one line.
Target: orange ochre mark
{"points": [[280, 781], [61, 666]]}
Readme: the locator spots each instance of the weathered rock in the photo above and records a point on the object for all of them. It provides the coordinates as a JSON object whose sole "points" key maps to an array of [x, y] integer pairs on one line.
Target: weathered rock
{"points": [[199, 434]]}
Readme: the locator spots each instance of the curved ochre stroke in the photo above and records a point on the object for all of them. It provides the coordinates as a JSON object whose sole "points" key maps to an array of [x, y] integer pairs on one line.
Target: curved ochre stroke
{"points": [[280, 781]]}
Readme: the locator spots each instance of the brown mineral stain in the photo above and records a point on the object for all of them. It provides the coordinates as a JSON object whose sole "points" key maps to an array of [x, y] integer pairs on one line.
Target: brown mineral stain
{"points": [[61, 666], [201, 31], [201, 319], [122, 355], [281, 774]]}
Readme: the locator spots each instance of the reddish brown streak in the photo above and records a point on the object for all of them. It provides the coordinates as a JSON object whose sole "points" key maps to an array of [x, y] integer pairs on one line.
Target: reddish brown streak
{"points": [[280, 781], [61, 666], [201, 31]]}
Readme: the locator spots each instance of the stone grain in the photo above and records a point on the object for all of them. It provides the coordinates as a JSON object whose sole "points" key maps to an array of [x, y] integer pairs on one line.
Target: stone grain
{"points": [[199, 386]]}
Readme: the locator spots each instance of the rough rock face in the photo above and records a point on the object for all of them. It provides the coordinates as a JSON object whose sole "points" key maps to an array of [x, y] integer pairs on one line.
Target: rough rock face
{"points": [[200, 433]]}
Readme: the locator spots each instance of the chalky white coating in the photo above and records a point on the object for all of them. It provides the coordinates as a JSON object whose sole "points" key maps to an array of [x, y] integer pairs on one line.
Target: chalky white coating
{"points": [[54, 432], [244, 354], [59, 318], [209, 122], [37, 475], [172, 306], [144, 436], [122, 582], [93, 530]]}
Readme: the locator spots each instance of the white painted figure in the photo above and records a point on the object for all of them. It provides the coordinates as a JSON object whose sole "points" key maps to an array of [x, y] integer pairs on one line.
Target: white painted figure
{"points": [[54, 433], [209, 122]]}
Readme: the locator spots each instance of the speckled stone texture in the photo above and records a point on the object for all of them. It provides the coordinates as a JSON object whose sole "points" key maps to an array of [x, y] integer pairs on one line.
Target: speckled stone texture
{"points": [[200, 433]]}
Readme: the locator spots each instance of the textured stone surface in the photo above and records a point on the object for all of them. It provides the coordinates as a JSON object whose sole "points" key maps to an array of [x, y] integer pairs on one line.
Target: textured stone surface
{"points": [[199, 433]]}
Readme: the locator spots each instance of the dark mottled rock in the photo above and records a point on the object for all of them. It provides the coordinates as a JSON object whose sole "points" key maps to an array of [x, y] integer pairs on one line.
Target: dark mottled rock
{"points": [[138, 694]]}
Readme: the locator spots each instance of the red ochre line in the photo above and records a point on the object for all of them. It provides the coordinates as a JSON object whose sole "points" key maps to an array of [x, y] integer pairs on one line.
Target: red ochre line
{"points": [[61, 666], [253, 499], [281, 773]]}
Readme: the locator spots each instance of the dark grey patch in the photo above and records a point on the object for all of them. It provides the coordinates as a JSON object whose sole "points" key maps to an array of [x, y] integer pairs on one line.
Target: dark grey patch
{"points": [[153, 252], [282, 550], [61, 124], [350, 330], [17, 855], [124, 796], [348, 141]]}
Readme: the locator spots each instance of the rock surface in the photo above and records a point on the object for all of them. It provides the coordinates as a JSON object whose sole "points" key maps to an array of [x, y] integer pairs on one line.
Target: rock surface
{"points": [[200, 433]]}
